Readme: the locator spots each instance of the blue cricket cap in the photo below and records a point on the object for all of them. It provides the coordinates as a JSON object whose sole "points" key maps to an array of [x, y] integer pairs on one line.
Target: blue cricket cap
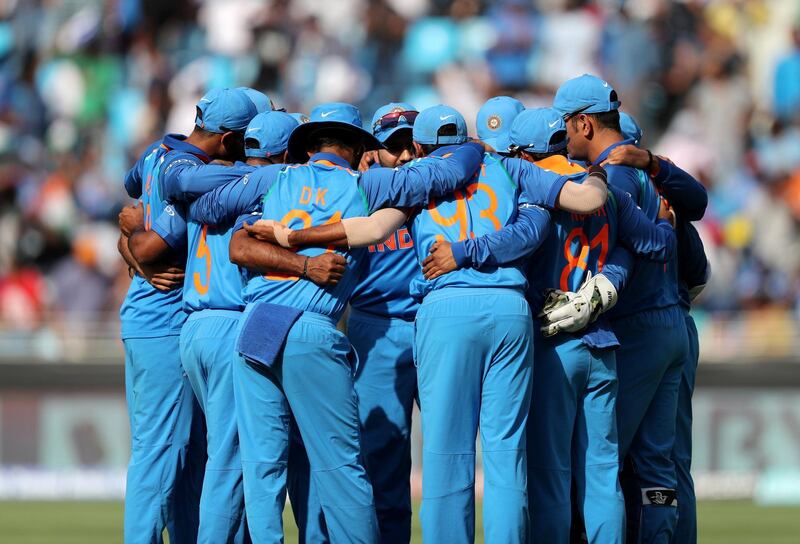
{"points": [[383, 134], [225, 110], [333, 115], [271, 131], [261, 101], [300, 117], [629, 127], [585, 94], [430, 120], [494, 121], [533, 129]]}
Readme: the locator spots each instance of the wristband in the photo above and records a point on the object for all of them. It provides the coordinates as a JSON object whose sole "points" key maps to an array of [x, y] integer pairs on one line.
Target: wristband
{"points": [[305, 269], [598, 171], [650, 160]]}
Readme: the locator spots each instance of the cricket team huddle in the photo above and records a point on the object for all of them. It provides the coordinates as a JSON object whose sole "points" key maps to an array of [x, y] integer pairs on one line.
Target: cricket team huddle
{"points": [[531, 286]]}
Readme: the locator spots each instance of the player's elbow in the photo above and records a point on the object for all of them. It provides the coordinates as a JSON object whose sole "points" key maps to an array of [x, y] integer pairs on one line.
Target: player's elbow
{"points": [[145, 247], [237, 251]]}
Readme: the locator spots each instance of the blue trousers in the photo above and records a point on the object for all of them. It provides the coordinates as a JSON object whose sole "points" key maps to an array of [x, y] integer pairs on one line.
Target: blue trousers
{"points": [[473, 352], [572, 435], [313, 381], [167, 449], [650, 359], [386, 385], [686, 531], [207, 352]]}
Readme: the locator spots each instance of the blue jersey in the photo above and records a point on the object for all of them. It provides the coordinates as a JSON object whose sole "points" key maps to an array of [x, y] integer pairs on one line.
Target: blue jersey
{"points": [[321, 192], [575, 244], [327, 190], [212, 280], [486, 205], [384, 289], [146, 311], [652, 285]]}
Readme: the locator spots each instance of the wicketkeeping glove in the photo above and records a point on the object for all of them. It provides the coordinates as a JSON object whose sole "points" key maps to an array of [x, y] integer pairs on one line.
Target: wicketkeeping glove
{"points": [[572, 312]]}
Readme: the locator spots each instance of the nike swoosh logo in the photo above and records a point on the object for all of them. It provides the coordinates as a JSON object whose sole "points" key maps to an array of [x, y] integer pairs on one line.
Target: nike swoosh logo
{"points": [[252, 129], [327, 113], [205, 100], [605, 84], [445, 117], [551, 125]]}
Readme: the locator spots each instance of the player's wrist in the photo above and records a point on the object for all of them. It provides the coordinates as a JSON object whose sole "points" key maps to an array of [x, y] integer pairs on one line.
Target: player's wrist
{"points": [[598, 171]]}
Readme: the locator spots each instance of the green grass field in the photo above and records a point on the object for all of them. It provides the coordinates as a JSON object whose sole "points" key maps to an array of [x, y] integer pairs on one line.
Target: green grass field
{"points": [[101, 523]]}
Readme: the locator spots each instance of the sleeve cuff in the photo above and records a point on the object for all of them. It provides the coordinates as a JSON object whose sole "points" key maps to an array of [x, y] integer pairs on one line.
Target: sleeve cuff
{"points": [[666, 222], [174, 241], [460, 255], [555, 189], [663, 171]]}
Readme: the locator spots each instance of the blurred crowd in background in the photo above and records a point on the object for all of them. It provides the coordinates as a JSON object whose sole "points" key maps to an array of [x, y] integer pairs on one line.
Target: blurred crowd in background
{"points": [[85, 85]]}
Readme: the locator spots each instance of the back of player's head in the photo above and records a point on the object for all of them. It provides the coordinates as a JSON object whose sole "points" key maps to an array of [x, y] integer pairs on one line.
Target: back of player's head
{"points": [[333, 121], [268, 134], [494, 121], [439, 125], [540, 132], [225, 110]]}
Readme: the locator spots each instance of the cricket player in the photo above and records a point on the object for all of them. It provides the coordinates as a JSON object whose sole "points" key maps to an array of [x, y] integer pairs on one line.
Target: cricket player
{"points": [[381, 329], [483, 376], [314, 357], [159, 396], [647, 321], [689, 199], [213, 300], [215, 331], [494, 121], [574, 378]]}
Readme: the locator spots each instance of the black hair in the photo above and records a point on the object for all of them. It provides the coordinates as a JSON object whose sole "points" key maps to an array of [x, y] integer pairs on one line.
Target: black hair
{"points": [[607, 119], [334, 137], [449, 129]]}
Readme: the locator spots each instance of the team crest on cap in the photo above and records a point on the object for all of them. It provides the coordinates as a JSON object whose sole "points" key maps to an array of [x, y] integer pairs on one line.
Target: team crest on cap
{"points": [[304, 119], [397, 110], [494, 122]]}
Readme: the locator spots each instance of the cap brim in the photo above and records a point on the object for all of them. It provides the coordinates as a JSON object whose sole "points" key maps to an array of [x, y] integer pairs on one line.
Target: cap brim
{"points": [[388, 134], [297, 141]]}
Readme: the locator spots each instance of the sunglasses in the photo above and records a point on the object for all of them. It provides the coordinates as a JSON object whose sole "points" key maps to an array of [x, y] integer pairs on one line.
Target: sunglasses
{"points": [[392, 119]]}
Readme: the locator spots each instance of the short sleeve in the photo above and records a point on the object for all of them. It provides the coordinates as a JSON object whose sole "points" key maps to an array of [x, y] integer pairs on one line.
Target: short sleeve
{"points": [[171, 226]]}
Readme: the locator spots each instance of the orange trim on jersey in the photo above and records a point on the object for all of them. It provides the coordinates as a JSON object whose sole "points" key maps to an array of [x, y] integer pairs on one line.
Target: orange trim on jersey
{"points": [[560, 165], [326, 162]]}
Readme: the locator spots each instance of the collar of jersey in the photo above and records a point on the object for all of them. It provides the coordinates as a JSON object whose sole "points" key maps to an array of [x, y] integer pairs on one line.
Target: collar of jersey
{"points": [[330, 158], [177, 142], [604, 155]]}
